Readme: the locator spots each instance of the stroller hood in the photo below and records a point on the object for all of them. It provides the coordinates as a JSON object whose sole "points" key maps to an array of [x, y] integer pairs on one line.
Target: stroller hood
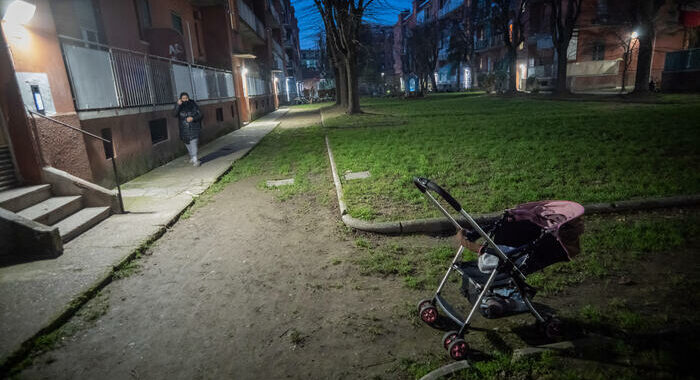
{"points": [[560, 218]]}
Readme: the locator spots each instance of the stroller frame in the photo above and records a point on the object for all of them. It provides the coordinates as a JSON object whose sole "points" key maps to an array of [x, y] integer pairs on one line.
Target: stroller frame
{"points": [[505, 265]]}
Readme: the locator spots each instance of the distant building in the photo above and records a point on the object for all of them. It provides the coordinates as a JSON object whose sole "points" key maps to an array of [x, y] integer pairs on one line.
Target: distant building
{"points": [[310, 58], [595, 55]]}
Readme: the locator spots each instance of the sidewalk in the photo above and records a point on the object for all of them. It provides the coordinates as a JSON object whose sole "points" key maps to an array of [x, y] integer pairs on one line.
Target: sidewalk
{"points": [[35, 295]]}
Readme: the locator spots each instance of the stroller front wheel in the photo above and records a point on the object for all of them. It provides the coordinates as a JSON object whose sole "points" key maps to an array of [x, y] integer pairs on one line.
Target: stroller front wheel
{"points": [[423, 302], [553, 328], [458, 349], [428, 314], [448, 338]]}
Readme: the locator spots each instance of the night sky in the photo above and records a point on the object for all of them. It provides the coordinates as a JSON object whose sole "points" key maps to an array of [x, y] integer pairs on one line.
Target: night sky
{"points": [[385, 12]]}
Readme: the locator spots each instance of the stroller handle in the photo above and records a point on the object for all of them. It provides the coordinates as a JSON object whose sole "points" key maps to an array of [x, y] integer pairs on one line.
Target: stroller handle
{"points": [[424, 184]]}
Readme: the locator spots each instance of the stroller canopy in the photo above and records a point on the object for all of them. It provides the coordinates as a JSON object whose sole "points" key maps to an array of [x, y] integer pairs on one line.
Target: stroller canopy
{"points": [[561, 218]]}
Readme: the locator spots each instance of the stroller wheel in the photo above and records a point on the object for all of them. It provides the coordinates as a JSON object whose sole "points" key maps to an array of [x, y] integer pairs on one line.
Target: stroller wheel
{"points": [[458, 349], [553, 328], [424, 302], [429, 314], [448, 338]]}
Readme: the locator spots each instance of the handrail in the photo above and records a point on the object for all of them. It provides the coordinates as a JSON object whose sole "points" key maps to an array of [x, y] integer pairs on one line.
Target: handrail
{"points": [[114, 164]]}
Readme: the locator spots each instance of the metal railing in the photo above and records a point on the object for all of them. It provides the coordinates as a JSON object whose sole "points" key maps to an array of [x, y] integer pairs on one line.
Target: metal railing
{"points": [[104, 77], [277, 62], [274, 12], [114, 163], [277, 48], [251, 19], [449, 6]]}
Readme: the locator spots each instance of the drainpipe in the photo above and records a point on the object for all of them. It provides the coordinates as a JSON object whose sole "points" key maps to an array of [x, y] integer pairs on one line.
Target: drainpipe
{"points": [[189, 37]]}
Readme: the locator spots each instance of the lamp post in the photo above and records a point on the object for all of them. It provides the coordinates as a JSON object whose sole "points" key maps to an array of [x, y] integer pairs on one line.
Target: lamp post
{"points": [[19, 12]]}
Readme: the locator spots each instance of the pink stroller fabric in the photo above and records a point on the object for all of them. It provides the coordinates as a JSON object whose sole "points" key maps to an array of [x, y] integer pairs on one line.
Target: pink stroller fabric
{"points": [[561, 218]]}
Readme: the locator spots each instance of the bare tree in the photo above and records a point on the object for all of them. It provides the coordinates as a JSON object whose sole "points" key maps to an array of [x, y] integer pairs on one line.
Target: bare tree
{"points": [[626, 40], [645, 13], [461, 47], [509, 19], [563, 17], [342, 20], [423, 48]]}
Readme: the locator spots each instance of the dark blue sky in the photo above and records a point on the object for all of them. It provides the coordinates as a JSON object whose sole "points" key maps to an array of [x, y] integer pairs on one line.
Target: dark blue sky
{"points": [[385, 12]]}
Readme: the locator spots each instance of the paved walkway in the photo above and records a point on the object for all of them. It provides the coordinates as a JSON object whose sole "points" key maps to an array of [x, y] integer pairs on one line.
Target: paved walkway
{"points": [[33, 295]]}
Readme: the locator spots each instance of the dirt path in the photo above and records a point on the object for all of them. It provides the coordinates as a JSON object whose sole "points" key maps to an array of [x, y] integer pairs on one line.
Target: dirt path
{"points": [[247, 287]]}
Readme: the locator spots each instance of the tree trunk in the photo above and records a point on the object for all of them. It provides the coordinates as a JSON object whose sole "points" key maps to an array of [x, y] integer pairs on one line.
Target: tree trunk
{"points": [[433, 81], [562, 60], [459, 77], [513, 75], [336, 73], [341, 86], [624, 76], [353, 89], [644, 57]]}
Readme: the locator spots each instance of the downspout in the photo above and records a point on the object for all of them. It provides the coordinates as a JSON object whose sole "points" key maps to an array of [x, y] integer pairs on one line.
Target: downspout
{"points": [[189, 37]]}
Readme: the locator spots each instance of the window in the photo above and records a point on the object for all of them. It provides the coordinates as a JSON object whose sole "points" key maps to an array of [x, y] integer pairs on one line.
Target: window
{"points": [[88, 34], [177, 22], [196, 34], [598, 51], [219, 114], [573, 46], [109, 147], [602, 9], [159, 130], [143, 16]]}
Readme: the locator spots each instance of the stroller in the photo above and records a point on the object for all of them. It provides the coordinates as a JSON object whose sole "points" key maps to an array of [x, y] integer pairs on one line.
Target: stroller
{"points": [[524, 240]]}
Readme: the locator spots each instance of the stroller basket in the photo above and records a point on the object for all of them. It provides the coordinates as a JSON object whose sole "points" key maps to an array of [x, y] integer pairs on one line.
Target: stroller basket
{"points": [[526, 239]]}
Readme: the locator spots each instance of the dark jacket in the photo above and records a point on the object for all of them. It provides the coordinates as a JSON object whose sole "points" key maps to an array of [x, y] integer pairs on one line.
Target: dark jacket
{"points": [[188, 130]]}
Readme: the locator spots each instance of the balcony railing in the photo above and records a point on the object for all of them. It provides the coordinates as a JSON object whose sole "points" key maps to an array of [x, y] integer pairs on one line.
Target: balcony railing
{"points": [[277, 48], [449, 6], [251, 19], [274, 12], [104, 77], [277, 62]]}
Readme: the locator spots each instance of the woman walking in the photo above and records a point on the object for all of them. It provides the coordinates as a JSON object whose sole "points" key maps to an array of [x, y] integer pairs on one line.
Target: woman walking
{"points": [[187, 112]]}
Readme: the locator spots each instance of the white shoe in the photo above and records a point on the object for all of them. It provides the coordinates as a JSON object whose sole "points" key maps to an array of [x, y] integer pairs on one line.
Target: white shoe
{"points": [[196, 163]]}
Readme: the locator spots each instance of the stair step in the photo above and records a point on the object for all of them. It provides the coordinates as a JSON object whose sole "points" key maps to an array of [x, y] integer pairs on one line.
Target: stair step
{"points": [[23, 197], [53, 209], [7, 187], [81, 221], [7, 180]]}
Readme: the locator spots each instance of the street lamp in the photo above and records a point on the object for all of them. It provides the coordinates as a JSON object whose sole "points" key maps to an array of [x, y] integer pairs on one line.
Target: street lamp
{"points": [[19, 12], [635, 35]]}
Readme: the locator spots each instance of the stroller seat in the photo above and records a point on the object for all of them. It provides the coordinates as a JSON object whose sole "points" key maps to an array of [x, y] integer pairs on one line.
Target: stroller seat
{"points": [[471, 270]]}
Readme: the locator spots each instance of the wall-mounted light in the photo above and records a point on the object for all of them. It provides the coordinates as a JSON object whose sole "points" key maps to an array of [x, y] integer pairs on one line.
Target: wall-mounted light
{"points": [[635, 34], [19, 12]]}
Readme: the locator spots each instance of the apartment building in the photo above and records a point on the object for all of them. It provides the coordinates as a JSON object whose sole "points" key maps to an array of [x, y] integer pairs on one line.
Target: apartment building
{"points": [[598, 55], [115, 68]]}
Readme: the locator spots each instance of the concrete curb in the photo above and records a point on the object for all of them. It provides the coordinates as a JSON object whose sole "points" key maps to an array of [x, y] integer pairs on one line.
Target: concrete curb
{"points": [[439, 225], [446, 370], [15, 358]]}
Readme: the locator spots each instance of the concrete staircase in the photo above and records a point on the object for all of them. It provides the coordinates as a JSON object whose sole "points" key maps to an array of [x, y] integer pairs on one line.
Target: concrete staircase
{"points": [[39, 204], [8, 179]]}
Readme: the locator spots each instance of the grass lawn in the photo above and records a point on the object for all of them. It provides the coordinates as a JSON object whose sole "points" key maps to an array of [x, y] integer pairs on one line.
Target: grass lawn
{"points": [[492, 153]]}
